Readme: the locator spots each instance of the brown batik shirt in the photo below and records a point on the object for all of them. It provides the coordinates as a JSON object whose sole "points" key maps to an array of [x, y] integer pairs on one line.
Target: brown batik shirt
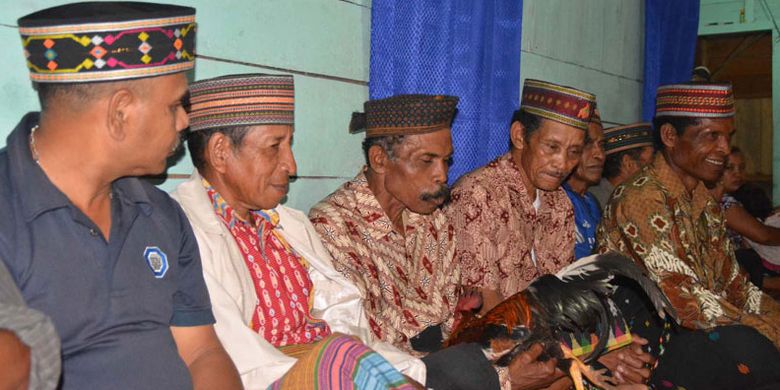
{"points": [[681, 240], [408, 281], [497, 227]]}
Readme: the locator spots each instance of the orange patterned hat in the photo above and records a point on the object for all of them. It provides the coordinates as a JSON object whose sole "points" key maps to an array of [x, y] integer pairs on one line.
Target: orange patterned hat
{"points": [[695, 100], [242, 100], [562, 104]]}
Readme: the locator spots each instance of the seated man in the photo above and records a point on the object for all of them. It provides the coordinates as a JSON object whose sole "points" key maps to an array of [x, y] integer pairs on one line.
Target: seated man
{"points": [[276, 297], [387, 234], [587, 212], [627, 149], [107, 256], [665, 219], [513, 222]]}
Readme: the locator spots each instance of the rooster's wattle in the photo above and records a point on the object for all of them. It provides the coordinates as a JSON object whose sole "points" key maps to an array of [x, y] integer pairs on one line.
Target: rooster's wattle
{"points": [[577, 299]]}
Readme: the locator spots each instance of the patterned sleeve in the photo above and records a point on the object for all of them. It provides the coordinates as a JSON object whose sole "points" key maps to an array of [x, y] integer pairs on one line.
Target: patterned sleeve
{"points": [[337, 237], [645, 230], [471, 215]]}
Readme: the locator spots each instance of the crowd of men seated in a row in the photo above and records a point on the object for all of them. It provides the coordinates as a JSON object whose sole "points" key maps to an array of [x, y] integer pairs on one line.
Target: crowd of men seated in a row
{"points": [[108, 282]]}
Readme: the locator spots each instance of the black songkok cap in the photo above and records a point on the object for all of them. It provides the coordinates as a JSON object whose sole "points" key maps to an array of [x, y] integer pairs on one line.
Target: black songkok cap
{"points": [[404, 115]]}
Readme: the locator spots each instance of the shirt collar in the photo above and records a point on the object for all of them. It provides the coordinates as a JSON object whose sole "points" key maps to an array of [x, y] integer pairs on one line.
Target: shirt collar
{"points": [[515, 181], [130, 190], [698, 198], [37, 193], [226, 212]]}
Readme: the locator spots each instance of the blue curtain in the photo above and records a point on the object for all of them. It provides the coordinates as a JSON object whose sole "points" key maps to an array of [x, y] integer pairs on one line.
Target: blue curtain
{"points": [[671, 28], [466, 48]]}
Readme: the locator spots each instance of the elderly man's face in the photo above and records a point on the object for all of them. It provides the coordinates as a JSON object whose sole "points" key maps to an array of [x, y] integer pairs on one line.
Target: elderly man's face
{"points": [[417, 176], [702, 150], [160, 119], [257, 174], [592, 160], [550, 153]]}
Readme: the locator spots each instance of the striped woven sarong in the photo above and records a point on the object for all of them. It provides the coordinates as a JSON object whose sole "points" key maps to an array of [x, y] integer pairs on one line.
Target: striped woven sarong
{"points": [[340, 362]]}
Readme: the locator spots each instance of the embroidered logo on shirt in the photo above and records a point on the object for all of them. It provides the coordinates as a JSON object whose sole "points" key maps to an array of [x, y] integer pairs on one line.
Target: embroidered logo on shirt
{"points": [[157, 261]]}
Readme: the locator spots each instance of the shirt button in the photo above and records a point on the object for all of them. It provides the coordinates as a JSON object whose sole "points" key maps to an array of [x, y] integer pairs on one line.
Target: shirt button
{"points": [[93, 232]]}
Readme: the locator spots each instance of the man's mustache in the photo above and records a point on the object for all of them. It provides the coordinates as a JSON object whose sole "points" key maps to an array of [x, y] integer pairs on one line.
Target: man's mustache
{"points": [[442, 193]]}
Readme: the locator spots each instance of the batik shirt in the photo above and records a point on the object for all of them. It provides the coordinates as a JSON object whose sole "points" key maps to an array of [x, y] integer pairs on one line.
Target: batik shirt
{"points": [[680, 238], [408, 281], [280, 277], [504, 242], [587, 214]]}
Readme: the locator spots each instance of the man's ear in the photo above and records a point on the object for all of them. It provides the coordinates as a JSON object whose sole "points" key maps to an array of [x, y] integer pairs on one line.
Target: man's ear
{"points": [[517, 135], [218, 151], [378, 159], [627, 164], [120, 111], [668, 135]]}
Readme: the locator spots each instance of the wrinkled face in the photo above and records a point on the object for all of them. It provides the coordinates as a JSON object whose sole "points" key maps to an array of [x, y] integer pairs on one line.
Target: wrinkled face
{"points": [[592, 160], [702, 150], [417, 175], [160, 118], [257, 173], [550, 153], [734, 174]]}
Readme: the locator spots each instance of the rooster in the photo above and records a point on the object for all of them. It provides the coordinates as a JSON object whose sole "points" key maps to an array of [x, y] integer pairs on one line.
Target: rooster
{"points": [[577, 299]]}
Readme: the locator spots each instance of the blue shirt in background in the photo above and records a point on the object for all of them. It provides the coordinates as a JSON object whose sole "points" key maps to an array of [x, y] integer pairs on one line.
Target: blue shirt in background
{"points": [[587, 215]]}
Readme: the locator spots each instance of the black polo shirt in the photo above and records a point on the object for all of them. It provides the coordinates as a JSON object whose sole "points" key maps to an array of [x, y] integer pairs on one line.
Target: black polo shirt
{"points": [[113, 302]]}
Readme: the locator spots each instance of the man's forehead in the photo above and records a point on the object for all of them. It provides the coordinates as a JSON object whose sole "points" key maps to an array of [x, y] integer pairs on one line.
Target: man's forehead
{"points": [[271, 131], [550, 130], [725, 125], [438, 143]]}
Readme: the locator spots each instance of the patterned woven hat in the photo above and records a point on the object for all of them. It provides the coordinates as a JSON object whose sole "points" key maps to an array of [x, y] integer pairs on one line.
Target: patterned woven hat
{"points": [[107, 41], [620, 138], [596, 117], [242, 100], [695, 100], [405, 114], [559, 103]]}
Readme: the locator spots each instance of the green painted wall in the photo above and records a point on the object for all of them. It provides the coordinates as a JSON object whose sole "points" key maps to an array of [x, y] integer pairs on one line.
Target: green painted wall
{"points": [[735, 16], [594, 45], [328, 37]]}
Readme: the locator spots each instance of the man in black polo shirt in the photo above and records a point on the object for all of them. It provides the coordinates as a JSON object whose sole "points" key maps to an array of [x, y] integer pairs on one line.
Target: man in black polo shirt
{"points": [[110, 258]]}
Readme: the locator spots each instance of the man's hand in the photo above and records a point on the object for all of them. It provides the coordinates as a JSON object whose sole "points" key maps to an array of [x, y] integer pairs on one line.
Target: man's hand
{"points": [[630, 363], [14, 362], [526, 372]]}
